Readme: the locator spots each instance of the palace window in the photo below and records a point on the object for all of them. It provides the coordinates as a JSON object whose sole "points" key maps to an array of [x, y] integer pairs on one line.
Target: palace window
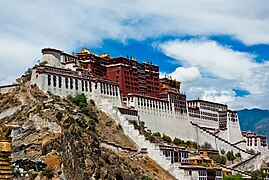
{"points": [[218, 175], [76, 84], [49, 80], [71, 83], [54, 80], [202, 175], [86, 86], [82, 85], [90, 86], [104, 87], [60, 81], [66, 82]]}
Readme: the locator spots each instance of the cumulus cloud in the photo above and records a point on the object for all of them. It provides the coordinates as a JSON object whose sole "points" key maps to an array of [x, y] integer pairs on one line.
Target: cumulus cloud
{"points": [[186, 75], [222, 69], [210, 56]]}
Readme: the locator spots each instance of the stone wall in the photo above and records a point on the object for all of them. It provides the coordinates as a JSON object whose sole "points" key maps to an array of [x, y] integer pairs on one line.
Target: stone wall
{"points": [[160, 116], [7, 88]]}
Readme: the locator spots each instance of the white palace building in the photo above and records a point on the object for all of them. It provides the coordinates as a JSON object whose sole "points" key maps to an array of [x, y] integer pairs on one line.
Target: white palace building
{"points": [[128, 90]]}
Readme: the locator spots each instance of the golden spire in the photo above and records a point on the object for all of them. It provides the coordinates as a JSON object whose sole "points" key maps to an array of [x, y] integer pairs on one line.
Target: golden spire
{"points": [[105, 55], [85, 50]]}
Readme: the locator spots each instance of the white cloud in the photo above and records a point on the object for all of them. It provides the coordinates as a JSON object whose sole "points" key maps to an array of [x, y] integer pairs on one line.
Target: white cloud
{"points": [[228, 70], [26, 27], [186, 75], [210, 57]]}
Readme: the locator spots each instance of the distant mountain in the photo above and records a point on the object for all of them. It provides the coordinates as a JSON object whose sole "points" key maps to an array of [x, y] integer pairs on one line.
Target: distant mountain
{"points": [[256, 120]]}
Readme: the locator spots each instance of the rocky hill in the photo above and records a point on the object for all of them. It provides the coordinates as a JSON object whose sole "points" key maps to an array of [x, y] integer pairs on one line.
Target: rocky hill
{"points": [[256, 120], [56, 138]]}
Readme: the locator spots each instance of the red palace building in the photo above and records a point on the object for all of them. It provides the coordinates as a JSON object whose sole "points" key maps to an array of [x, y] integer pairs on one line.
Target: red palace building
{"points": [[134, 77], [131, 76]]}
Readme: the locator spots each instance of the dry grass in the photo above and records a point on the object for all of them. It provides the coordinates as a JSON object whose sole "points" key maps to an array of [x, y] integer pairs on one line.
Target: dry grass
{"points": [[108, 130], [154, 168]]}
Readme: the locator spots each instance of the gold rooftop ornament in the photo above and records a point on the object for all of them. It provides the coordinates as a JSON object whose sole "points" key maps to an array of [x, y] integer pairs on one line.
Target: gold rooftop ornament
{"points": [[6, 170]]}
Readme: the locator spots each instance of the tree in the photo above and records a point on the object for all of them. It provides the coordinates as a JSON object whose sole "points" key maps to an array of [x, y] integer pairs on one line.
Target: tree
{"points": [[166, 138], [194, 145], [218, 158], [230, 156], [238, 155], [177, 141], [222, 151], [80, 100], [188, 143], [258, 175], [157, 134]]}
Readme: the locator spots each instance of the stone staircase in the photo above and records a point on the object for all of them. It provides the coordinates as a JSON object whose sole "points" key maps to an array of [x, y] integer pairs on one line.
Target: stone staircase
{"points": [[219, 138], [153, 150], [118, 146], [245, 174], [246, 160], [242, 141]]}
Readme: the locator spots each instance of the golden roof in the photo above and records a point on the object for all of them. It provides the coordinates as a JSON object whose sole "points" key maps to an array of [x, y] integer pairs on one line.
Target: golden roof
{"points": [[84, 50], [105, 55]]}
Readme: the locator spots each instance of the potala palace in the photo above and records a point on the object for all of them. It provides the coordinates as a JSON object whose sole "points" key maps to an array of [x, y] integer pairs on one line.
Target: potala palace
{"points": [[129, 90]]}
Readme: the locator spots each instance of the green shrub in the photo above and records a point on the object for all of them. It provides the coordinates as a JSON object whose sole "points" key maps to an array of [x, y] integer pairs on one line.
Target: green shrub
{"points": [[47, 172], [146, 178], [233, 177], [258, 175], [251, 151], [166, 138], [86, 110], [195, 145], [157, 134], [188, 143], [230, 156], [218, 158], [142, 124], [238, 154], [177, 141], [79, 100]]}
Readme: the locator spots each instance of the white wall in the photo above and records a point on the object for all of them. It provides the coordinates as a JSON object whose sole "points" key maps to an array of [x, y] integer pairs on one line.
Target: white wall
{"points": [[205, 122], [103, 99], [163, 120], [234, 131]]}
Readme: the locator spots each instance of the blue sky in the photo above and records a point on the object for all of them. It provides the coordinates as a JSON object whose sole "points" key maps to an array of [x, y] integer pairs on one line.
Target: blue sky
{"points": [[218, 49]]}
